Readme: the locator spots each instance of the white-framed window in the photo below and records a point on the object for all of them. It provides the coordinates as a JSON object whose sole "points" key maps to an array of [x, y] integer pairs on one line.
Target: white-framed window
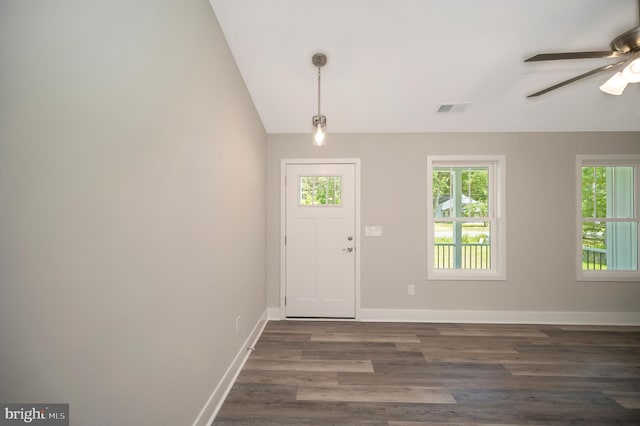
{"points": [[608, 211], [466, 215]]}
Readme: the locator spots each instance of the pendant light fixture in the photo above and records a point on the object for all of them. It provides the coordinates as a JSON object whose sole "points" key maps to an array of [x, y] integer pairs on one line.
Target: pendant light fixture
{"points": [[319, 121]]}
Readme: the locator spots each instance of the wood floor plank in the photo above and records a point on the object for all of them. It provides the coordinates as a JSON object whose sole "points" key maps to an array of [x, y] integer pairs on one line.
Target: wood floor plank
{"points": [[531, 358], [335, 337], [291, 378], [540, 383], [541, 400], [326, 346], [630, 400], [439, 369], [569, 351], [277, 354], [452, 412], [464, 345], [263, 393], [296, 421], [327, 411], [579, 339], [570, 370], [309, 365], [286, 337], [600, 328], [450, 424], [402, 394], [471, 332], [371, 355], [582, 416]]}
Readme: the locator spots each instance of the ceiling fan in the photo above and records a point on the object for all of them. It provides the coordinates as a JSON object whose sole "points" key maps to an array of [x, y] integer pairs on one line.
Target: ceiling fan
{"points": [[626, 47]]}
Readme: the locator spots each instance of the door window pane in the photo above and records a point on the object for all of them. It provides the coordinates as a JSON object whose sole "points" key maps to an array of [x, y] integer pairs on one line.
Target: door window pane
{"points": [[315, 191]]}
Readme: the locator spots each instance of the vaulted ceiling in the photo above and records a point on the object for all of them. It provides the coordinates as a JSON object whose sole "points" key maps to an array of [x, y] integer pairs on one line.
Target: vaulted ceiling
{"points": [[391, 63]]}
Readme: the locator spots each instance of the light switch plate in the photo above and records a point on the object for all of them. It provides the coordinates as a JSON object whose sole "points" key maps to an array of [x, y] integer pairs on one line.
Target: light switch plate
{"points": [[373, 231]]}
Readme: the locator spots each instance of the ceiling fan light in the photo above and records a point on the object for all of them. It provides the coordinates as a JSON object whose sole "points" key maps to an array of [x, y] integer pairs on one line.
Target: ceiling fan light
{"points": [[631, 72], [615, 85]]}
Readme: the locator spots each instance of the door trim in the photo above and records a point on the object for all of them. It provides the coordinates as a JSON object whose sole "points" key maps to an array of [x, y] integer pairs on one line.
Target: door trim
{"points": [[283, 224]]}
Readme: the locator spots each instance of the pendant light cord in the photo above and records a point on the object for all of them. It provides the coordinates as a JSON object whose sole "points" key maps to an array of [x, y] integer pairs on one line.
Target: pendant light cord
{"points": [[318, 90]]}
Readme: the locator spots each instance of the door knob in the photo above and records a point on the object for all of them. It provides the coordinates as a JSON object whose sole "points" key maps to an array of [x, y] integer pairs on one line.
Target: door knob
{"points": [[350, 238], [348, 249]]}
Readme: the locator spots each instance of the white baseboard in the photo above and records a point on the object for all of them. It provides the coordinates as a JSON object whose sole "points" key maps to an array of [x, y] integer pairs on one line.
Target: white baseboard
{"points": [[501, 317], [274, 314], [213, 404]]}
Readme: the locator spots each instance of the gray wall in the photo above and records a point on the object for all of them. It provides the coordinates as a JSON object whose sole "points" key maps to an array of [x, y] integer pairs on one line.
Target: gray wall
{"points": [[132, 208], [540, 220]]}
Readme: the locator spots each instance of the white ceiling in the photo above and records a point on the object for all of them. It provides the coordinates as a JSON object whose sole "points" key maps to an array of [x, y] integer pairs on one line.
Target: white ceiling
{"points": [[391, 63]]}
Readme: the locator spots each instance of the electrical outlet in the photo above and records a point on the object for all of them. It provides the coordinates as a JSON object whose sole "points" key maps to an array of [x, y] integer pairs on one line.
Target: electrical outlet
{"points": [[238, 324], [411, 289]]}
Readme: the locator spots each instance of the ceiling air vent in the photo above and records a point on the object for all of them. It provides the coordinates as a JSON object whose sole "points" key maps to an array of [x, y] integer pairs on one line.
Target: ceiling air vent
{"points": [[453, 107]]}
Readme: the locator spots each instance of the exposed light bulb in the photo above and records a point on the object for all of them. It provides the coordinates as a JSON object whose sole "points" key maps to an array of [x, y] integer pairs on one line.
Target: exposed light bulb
{"points": [[319, 124], [615, 85], [319, 136], [631, 72]]}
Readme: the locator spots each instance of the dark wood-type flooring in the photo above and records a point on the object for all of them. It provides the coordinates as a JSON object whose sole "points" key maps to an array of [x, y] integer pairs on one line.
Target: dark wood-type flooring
{"points": [[416, 374]]}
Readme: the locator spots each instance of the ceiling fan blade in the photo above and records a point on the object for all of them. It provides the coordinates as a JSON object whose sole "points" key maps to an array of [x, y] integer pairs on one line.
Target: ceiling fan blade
{"points": [[575, 55], [571, 80]]}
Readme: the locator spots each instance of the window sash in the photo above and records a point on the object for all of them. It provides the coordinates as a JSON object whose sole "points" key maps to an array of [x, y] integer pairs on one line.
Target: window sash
{"points": [[612, 203], [490, 166], [492, 246]]}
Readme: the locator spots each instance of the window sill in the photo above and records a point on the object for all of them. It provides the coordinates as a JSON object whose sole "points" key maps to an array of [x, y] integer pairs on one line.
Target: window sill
{"points": [[609, 276], [466, 276]]}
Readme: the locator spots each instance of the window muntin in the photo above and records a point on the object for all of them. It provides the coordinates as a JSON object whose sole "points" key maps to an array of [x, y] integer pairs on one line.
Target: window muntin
{"points": [[608, 212], [319, 191], [466, 217]]}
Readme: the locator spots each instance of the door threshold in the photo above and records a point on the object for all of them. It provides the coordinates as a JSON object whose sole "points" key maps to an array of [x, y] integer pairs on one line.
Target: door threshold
{"points": [[320, 318]]}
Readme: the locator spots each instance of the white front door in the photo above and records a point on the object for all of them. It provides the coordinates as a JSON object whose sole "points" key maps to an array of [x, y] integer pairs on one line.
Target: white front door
{"points": [[320, 240]]}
